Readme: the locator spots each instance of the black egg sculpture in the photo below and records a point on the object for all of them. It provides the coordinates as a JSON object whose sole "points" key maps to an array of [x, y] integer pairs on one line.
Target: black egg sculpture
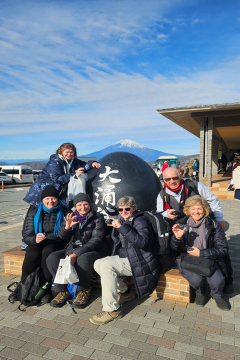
{"points": [[122, 174]]}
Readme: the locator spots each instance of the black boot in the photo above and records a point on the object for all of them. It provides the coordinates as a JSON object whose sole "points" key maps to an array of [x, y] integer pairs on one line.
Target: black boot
{"points": [[228, 288]]}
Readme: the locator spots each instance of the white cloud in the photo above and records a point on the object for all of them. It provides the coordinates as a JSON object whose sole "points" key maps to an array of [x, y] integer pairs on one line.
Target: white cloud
{"points": [[62, 71]]}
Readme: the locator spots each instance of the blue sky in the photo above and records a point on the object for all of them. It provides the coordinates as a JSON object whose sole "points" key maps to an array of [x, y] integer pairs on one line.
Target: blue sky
{"points": [[94, 72]]}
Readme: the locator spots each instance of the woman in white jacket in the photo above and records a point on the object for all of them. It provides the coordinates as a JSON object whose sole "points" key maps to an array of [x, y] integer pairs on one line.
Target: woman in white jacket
{"points": [[236, 180]]}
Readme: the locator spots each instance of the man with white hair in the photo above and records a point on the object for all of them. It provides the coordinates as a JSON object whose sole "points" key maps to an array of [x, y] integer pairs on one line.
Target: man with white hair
{"points": [[172, 197]]}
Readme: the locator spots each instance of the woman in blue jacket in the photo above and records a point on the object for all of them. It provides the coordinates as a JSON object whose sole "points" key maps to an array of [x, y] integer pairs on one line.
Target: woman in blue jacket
{"points": [[58, 171]]}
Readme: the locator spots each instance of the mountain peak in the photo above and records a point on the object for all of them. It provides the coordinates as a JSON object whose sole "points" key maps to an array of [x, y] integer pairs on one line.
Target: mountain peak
{"points": [[129, 143]]}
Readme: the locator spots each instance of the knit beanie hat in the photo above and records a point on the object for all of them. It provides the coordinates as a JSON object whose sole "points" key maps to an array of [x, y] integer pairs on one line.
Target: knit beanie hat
{"points": [[81, 197], [49, 190]]}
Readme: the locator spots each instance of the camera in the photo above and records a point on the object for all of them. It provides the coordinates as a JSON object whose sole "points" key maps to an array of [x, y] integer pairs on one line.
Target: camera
{"points": [[108, 221], [75, 219], [181, 226], [174, 213]]}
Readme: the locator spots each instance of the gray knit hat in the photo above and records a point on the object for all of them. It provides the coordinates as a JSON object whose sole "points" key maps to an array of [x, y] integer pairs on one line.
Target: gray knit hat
{"points": [[81, 197]]}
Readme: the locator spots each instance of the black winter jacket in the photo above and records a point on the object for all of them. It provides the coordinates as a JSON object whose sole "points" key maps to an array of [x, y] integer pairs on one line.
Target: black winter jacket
{"points": [[217, 246], [93, 235], [48, 219], [141, 255]]}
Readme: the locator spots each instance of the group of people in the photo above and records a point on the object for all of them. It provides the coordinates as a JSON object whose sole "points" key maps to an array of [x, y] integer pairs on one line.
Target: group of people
{"points": [[195, 169], [52, 231]]}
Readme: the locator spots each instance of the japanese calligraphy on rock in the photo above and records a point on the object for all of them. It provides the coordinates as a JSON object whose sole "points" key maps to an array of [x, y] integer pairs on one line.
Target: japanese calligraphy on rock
{"points": [[122, 174]]}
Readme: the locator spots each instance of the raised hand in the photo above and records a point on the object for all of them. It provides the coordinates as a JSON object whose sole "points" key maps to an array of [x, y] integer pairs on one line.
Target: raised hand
{"points": [[115, 223], [177, 231], [70, 221], [96, 165]]}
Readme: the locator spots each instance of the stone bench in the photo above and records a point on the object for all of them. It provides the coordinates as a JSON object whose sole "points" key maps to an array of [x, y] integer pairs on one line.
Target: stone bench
{"points": [[171, 285]]}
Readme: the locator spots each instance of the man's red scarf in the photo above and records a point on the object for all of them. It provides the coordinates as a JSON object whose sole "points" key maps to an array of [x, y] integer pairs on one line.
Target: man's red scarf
{"points": [[166, 206]]}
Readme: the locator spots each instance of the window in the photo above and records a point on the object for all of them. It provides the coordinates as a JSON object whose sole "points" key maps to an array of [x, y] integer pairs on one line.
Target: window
{"points": [[26, 171], [11, 171]]}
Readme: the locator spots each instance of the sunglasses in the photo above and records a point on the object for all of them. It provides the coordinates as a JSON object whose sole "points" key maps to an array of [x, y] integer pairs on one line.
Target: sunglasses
{"points": [[173, 178], [121, 209]]}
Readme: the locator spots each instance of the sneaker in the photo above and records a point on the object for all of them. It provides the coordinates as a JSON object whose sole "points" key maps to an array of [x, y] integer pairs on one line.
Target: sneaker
{"points": [[61, 299], [24, 246], [82, 299], [122, 297], [222, 304], [200, 300], [104, 317]]}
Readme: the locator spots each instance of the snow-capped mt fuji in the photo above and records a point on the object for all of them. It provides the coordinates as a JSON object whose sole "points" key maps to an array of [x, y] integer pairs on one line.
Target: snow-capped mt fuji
{"points": [[132, 147], [130, 144]]}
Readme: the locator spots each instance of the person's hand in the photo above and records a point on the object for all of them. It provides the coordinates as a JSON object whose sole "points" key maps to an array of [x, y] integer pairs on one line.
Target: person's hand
{"points": [[169, 214], [40, 237], [194, 252], [70, 221], [115, 223], [222, 223], [177, 231], [80, 171], [73, 258], [96, 165]]}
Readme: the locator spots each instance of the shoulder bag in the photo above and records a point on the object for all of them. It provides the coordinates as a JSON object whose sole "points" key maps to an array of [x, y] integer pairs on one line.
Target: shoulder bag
{"points": [[198, 265]]}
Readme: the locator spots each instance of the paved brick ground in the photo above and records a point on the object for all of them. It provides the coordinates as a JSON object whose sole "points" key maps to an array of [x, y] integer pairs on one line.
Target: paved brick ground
{"points": [[149, 329]]}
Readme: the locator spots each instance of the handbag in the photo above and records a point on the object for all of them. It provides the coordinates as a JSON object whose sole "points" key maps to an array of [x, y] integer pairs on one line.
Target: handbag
{"points": [[76, 185], [196, 264]]}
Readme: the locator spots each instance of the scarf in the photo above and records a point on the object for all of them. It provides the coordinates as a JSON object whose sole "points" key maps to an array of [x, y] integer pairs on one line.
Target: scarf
{"points": [[38, 217], [166, 206], [81, 219], [67, 163], [197, 235]]}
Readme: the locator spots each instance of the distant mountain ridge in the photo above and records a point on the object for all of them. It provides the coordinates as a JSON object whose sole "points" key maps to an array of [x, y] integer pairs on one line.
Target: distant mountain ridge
{"points": [[126, 145], [132, 147]]}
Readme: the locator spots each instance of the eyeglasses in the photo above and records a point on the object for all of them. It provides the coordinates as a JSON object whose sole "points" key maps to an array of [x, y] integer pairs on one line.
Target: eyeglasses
{"points": [[173, 178], [121, 209]]}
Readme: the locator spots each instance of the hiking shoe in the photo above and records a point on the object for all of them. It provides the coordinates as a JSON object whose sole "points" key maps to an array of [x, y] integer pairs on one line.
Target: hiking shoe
{"points": [[82, 298], [222, 304], [200, 300], [122, 297], [61, 299], [104, 317]]}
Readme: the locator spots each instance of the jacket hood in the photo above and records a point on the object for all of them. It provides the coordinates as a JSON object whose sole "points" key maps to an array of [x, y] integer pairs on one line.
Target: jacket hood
{"points": [[53, 156]]}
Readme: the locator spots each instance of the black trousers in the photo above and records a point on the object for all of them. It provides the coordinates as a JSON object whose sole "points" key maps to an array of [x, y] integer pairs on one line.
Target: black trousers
{"points": [[36, 256], [216, 282], [83, 266]]}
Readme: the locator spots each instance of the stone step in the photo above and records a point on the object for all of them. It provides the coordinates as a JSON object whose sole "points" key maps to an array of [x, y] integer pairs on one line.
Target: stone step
{"points": [[171, 284]]}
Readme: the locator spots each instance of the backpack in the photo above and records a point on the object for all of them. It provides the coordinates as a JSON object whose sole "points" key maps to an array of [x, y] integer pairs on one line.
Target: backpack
{"points": [[30, 290], [161, 231], [72, 289]]}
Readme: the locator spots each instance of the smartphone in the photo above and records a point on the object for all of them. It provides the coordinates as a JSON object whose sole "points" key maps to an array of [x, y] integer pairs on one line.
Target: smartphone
{"points": [[188, 248]]}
